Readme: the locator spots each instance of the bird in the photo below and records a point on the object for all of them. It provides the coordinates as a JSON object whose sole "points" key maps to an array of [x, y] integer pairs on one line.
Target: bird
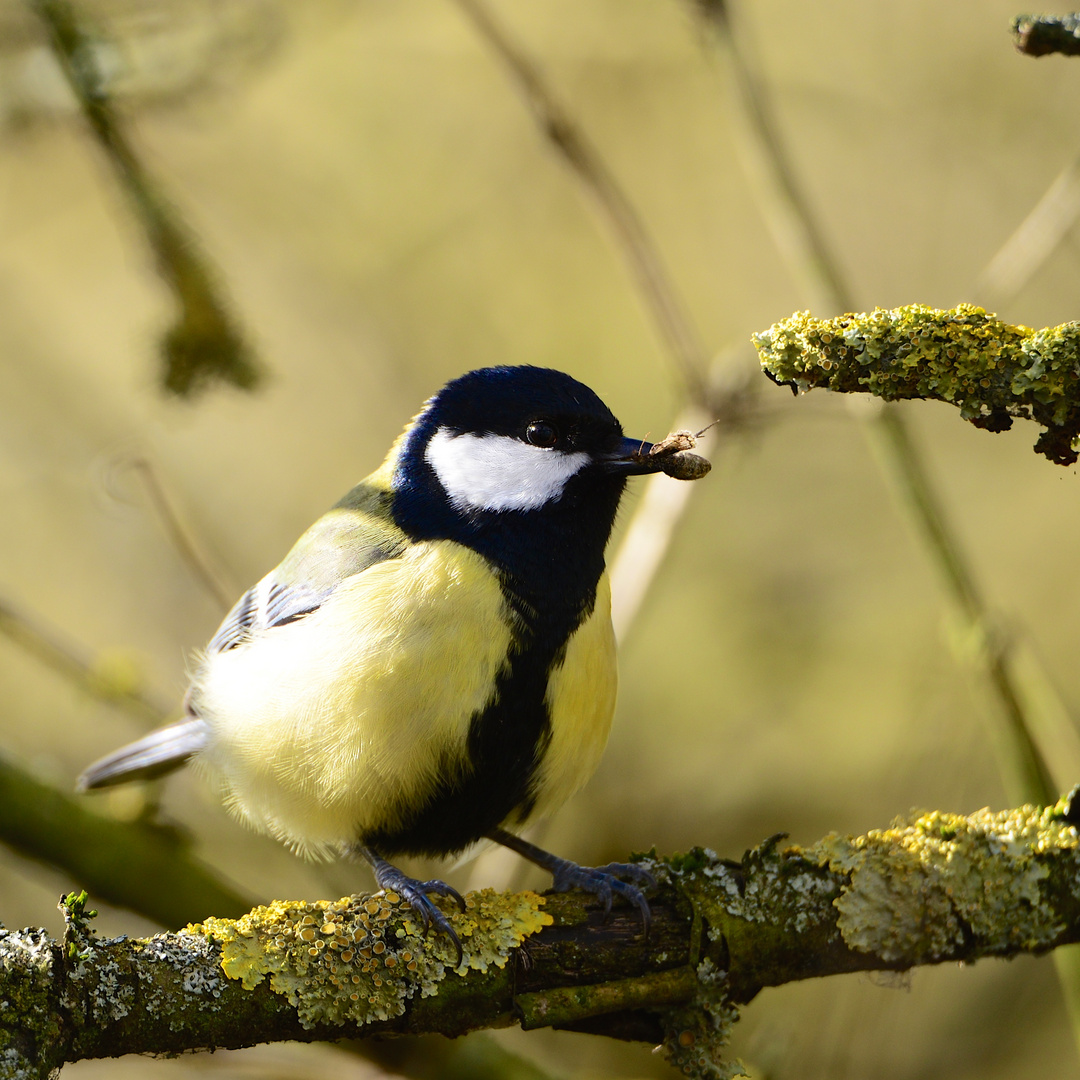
{"points": [[433, 663]]}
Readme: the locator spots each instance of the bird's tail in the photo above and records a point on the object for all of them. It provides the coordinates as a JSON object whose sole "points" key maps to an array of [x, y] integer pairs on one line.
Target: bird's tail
{"points": [[158, 753]]}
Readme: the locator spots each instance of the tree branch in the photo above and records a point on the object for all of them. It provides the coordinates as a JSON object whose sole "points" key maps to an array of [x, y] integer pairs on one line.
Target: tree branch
{"points": [[933, 888], [990, 370], [1040, 35], [569, 140], [139, 865]]}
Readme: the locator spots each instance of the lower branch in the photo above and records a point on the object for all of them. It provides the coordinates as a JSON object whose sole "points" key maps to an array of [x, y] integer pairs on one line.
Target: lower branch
{"points": [[934, 887]]}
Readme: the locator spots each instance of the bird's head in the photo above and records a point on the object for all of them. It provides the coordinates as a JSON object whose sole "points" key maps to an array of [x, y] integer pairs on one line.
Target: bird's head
{"points": [[518, 441]]}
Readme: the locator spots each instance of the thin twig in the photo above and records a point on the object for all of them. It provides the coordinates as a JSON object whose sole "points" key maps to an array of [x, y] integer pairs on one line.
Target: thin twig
{"points": [[785, 206], [182, 537], [651, 530], [1035, 239], [1024, 768], [72, 663], [642, 257], [822, 278]]}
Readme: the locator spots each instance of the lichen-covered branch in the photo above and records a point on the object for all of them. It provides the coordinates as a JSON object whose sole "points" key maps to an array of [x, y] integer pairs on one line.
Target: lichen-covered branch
{"points": [[1040, 35], [991, 370], [934, 887]]}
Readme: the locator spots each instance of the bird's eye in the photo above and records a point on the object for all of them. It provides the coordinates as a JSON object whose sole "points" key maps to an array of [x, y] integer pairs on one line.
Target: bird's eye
{"points": [[541, 433]]}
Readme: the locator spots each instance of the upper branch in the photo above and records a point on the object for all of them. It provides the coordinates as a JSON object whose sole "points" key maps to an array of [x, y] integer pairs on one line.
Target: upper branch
{"points": [[991, 370], [1040, 35]]}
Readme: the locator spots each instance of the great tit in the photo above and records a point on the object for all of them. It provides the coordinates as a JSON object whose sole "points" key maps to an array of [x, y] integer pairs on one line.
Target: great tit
{"points": [[433, 663]]}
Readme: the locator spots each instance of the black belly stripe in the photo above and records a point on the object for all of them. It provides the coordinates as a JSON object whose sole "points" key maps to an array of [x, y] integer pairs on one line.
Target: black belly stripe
{"points": [[507, 742]]}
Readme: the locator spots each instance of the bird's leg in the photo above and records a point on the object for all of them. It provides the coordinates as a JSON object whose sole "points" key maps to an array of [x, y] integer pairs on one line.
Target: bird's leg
{"points": [[601, 881], [390, 878]]}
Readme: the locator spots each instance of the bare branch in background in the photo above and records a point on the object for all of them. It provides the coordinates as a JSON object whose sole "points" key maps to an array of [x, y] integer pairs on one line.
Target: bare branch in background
{"points": [[144, 867], [204, 344], [1036, 238], [772, 177], [735, 403], [74, 665], [187, 545], [565, 134], [823, 279]]}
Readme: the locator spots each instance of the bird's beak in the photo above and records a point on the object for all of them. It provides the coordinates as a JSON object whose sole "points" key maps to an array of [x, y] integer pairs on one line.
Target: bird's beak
{"points": [[631, 458]]}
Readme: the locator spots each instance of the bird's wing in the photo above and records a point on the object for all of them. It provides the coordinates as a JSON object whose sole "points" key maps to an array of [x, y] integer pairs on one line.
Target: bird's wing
{"points": [[270, 603], [354, 535]]}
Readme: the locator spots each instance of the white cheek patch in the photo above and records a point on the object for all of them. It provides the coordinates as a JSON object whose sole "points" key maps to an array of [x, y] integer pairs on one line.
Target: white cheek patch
{"points": [[497, 472]]}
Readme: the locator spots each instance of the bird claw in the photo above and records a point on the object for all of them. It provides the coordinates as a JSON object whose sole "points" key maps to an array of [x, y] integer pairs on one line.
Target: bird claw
{"points": [[605, 882], [416, 894]]}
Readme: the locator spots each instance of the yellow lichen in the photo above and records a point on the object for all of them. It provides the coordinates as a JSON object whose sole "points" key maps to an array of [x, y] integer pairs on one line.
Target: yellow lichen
{"points": [[918, 888], [361, 958], [990, 370]]}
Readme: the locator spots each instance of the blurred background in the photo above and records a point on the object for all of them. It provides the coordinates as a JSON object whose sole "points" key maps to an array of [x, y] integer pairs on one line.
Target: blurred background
{"points": [[382, 213]]}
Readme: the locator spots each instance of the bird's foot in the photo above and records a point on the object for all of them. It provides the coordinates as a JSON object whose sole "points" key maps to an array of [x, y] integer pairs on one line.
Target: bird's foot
{"points": [[604, 882], [418, 895]]}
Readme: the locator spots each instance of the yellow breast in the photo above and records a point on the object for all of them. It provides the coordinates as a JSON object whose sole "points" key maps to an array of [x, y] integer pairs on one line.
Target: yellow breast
{"points": [[329, 727]]}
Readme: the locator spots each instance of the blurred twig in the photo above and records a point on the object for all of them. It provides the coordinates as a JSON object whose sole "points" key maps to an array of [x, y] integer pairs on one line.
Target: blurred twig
{"points": [[656, 517], [136, 865], [68, 661], [1024, 768], [566, 135], [182, 537], [203, 344], [785, 206], [1034, 240], [650, 532]]}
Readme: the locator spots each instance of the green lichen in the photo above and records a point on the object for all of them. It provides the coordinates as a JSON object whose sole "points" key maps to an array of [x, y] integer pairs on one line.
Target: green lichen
{"points": [[919, 889], [696, 1034], [29, 1027], [990, 370], [359, 959], [768, 886]]}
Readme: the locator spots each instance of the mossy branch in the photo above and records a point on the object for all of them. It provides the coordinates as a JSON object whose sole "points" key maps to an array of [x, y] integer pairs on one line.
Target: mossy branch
{"points": [[932, 888], [992, 371]]}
